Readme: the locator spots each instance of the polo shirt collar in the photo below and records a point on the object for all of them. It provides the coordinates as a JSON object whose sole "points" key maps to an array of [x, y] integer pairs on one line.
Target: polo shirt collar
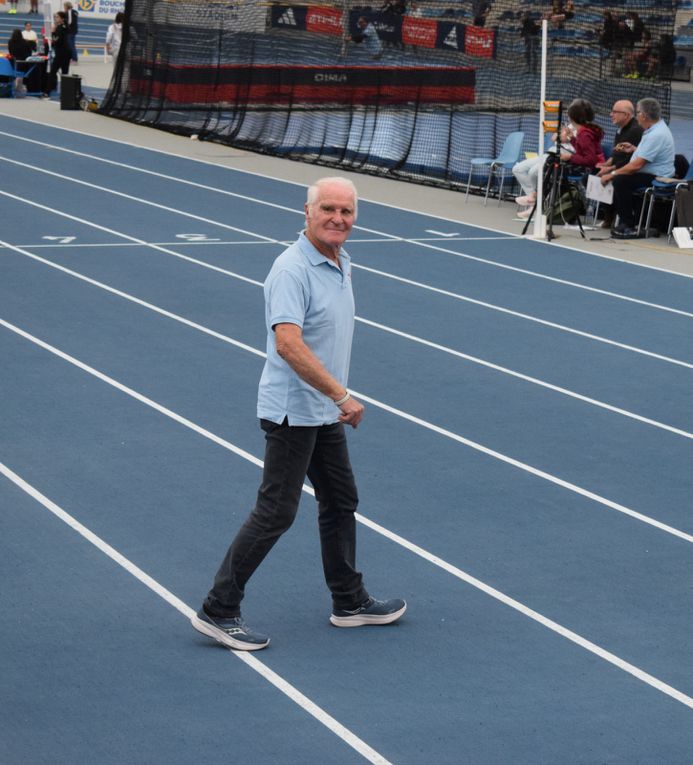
{"points": [[315, 257]]}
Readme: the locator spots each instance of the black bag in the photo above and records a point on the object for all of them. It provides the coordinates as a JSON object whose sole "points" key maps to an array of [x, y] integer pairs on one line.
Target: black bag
{"points": [[681, 165], [684, 207]]}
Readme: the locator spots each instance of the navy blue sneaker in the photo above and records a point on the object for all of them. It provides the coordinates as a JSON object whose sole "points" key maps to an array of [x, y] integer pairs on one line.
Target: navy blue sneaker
{"points": [[232, 632], [371, 612]]}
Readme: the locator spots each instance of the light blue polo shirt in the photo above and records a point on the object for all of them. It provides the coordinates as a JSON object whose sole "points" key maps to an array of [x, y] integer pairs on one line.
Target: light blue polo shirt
{"points": [[657, 147], [305, 288]]}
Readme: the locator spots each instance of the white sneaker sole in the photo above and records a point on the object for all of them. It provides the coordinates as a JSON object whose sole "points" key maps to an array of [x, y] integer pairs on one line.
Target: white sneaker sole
{"points": [[222, 637], [361, 620]]}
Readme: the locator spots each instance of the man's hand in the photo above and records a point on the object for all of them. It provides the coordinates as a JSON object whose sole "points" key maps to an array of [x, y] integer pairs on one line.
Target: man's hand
{"points": [[351, 412]]}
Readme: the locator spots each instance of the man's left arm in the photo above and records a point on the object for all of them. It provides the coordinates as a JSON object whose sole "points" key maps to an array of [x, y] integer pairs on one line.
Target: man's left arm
{"points": [[635, 165]]}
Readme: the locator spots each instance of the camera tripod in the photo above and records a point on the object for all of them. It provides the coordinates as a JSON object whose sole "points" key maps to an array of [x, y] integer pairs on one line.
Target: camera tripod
{"points": [[554, 169]]}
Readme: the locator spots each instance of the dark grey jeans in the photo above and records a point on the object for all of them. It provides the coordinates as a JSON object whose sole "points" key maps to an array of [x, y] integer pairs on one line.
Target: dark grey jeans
{"points": [[291, 453]]}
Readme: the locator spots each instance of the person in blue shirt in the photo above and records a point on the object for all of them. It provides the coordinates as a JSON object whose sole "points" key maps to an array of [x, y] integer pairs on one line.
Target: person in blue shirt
{"points": [[368, 35], [652, 157], [303, 406]]}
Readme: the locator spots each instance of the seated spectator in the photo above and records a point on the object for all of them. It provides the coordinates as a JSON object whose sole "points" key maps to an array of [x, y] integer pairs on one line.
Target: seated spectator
{"points": [[607, 37], [638, 62], [396, 7], [580, 147], [586, 140], [628, 132], [622, 45], [653, 156], [19, 49], [636, 26], [30, 36], [561, 10]]}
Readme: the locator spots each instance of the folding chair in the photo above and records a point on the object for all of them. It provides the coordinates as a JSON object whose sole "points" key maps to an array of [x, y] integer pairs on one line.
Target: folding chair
{"points": [[509, 155]]}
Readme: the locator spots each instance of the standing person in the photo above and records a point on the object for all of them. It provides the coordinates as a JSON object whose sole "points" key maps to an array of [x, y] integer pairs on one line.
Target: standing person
{"points": [[628, 132], [368, 35], [303, 405], [114, 37], [61, 52], [72, 29], [653, 156], [529, 31]]}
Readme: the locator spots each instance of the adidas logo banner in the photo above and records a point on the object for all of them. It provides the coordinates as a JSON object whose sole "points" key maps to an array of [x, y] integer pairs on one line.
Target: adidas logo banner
{"points": [[289, 16]]}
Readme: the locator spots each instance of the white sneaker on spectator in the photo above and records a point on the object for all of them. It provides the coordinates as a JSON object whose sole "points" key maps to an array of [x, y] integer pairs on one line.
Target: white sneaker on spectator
{"points": [[528, 199]]}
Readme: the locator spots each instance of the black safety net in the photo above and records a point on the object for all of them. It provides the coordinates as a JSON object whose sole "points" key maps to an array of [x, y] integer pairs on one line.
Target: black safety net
{"points": [[413, 90]]}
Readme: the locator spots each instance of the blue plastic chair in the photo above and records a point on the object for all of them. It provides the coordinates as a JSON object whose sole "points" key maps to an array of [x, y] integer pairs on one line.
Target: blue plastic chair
{"points": [[10, 74], [509, 155], [664, 191]]}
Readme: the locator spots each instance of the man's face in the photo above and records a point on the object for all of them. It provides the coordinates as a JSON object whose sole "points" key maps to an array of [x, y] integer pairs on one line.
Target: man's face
{"points": [[620, 114], [330, 219]]}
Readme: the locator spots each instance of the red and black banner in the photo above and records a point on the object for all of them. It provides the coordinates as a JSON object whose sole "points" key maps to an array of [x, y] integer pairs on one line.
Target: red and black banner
{"points": [[273, 85], [479, 42]]}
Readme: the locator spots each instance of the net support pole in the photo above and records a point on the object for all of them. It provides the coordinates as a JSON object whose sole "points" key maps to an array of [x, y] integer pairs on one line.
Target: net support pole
{"points": [[539, 231], [345, 28]]}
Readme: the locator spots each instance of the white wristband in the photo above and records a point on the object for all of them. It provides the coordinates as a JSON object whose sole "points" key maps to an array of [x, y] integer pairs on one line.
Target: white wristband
{"points": [[343, 400]]}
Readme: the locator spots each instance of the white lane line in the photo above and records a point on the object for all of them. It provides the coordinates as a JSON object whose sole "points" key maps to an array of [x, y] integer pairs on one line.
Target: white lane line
{"points": [[285, 182], [492, 592], [526, 317], [110, 245], [527, 378], [421, 285], [521, 608], [367, 322], [392, 237], [127, 237], [334, 726], [375, 402], [139, 200]]}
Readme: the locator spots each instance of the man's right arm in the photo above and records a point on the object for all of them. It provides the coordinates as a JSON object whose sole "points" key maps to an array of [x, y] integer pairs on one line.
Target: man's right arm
{"points": [[292, 349]]}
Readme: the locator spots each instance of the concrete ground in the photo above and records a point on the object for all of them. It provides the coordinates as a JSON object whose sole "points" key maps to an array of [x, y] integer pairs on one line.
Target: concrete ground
{"points": [[96, 75]]}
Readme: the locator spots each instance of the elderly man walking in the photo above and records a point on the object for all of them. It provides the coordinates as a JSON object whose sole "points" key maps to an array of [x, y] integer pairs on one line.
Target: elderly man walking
{"points": [[303, 405]]}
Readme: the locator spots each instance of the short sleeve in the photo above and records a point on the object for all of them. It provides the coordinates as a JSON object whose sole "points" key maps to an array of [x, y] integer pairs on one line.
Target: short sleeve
{"points": [[286, 300]]}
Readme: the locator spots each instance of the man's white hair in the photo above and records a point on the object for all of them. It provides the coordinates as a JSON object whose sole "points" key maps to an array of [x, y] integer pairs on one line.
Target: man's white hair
{"points": [[314, 190]]}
